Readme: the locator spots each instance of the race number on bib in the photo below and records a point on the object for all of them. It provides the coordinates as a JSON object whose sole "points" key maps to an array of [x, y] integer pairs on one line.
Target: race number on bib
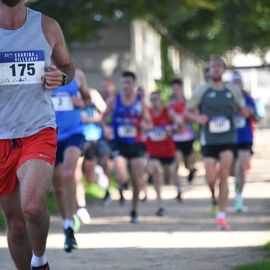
{"points": [[219, 125], [22, 67], [240, 122], [127, 131], [158, 134], [62, 103]]}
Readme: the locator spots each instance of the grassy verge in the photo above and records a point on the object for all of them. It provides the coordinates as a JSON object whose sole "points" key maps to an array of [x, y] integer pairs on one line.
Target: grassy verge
{"points": [[2, 222], [262, 265]]}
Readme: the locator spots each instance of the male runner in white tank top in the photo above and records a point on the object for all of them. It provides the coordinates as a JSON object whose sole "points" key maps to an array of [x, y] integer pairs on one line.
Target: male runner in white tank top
{"points": [[29, 43]]}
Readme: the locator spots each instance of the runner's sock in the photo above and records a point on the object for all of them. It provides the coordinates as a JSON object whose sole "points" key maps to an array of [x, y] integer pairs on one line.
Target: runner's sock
{"points": [[238, 196], [38, 261], [221, 214], [68, 223]]}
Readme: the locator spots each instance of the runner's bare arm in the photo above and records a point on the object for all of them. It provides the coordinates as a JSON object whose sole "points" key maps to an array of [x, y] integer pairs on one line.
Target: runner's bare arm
{"points": [[108, 112], [146, 123], [195, 116], [83, 88], [98, 100], [62, 62], [192, 112]]}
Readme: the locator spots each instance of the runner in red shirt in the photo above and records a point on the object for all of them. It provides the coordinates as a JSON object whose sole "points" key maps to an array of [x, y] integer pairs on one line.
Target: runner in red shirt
{"points": [[160, 146]]}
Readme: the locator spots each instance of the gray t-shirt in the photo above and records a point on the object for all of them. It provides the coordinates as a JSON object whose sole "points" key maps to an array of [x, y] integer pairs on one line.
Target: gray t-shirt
{"points": [[220, 107]]}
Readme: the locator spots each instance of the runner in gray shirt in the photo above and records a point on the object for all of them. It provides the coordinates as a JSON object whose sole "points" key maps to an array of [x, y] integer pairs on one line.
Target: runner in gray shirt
{"points": [[213, 107]]}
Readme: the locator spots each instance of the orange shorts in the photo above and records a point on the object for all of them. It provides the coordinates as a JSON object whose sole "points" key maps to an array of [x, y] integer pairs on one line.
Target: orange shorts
{"points": [[13, 153]]}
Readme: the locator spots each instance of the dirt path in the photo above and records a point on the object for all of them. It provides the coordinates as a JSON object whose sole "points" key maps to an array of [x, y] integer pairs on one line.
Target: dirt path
{"points": [[186, 239]]}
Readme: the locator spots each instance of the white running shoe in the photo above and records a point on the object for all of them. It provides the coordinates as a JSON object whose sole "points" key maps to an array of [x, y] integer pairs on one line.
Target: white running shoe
{"points": [[83, 215], [102, 178]]}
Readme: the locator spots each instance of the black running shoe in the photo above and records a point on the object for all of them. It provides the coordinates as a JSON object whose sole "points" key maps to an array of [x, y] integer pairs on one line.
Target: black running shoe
{"points": [[43, 267], [107, 198], [134, 218], [70, 241], [179, 197], [191, 175], [150, 179], [125, 186], [122, 198]]}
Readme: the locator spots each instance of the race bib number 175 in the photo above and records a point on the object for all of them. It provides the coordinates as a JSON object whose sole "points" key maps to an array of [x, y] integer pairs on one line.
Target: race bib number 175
{"points": [[22, 67]]}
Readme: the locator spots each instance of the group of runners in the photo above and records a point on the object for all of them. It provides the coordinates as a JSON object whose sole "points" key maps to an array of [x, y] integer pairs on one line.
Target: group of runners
{"points": [[98, 133]]}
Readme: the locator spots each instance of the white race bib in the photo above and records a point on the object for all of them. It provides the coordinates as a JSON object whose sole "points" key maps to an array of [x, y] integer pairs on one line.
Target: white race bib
{"points": [[158, 134], [22, 67], [127, 131], [219, 125], [240, 122], [62, 103]]}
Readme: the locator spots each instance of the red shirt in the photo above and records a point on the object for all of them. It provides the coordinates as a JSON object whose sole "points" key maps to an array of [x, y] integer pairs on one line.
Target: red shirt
{"points": [[187, 133], [159, 142], [178, 107]]}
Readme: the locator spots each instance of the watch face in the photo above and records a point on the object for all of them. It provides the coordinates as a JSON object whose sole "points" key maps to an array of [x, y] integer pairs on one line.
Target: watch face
{"points": [[65, 78]]}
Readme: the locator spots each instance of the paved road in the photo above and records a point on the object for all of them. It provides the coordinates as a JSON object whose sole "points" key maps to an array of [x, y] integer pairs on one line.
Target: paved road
{"points": [[186, 239]]}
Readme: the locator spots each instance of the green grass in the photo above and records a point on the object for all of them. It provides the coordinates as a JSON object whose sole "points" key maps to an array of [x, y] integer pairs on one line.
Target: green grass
{"points": [[267, 247], [2, 222], [263, 265]]}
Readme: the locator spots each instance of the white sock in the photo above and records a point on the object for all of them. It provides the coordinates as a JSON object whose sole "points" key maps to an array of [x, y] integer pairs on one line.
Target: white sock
{"points": [[68, 223], [38, 261], [221, 215]]}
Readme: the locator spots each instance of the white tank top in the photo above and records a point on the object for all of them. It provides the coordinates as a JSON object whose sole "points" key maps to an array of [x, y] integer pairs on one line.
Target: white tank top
{"points": [[25, 105]]}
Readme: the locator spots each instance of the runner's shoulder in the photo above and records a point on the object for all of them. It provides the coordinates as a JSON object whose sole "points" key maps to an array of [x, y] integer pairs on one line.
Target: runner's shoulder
{"points": [[236, 91], [197, 95], [232, 87], [51, 29]]}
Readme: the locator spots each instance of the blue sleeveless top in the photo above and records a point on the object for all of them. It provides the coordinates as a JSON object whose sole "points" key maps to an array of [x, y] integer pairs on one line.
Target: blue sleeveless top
{"points": [[126, 121], [68, 117], [245, 125]]}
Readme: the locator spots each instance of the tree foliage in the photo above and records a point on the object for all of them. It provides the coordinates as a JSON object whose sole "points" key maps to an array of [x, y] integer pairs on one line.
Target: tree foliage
{"points": [[205, 27]]}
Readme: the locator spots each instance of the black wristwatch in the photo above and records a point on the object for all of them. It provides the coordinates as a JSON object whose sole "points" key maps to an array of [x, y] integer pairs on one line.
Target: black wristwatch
{"points": [[65, 78]]}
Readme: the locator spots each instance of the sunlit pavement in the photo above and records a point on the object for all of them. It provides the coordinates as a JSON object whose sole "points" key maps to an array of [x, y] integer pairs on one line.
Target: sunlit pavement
{"points": [[186, 238]]}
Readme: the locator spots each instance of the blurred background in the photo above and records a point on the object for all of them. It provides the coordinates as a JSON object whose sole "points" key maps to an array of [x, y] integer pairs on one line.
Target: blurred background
{"points": [[160, 40]]}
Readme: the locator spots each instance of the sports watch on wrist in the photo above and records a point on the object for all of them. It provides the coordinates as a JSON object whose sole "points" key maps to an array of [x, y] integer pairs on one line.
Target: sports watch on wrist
{"points": [[65, 78]]}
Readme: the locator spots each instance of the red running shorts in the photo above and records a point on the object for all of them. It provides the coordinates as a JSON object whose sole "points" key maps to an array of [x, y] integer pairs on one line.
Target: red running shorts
{"points": [[14, 153]]}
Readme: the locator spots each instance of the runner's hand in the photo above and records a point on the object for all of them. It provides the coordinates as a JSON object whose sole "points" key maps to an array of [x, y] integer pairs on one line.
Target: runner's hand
{"points": [[78, 102], [53, 78], [247, 112], [202, 119], [108, 132]]}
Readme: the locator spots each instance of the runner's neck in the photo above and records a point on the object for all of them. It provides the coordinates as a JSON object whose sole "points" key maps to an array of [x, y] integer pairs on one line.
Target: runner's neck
{"points": [[12, 18], [218, 85], [128, 99], [157, 111]]}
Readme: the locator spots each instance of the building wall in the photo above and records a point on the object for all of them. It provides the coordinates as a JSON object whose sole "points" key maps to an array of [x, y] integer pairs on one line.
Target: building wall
{"points": [[135, 46], [104, 57], [145, 54]]}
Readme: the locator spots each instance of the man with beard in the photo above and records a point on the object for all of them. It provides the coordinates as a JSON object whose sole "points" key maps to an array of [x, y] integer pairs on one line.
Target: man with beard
{"points": [[28, 129], [217, 103]]}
